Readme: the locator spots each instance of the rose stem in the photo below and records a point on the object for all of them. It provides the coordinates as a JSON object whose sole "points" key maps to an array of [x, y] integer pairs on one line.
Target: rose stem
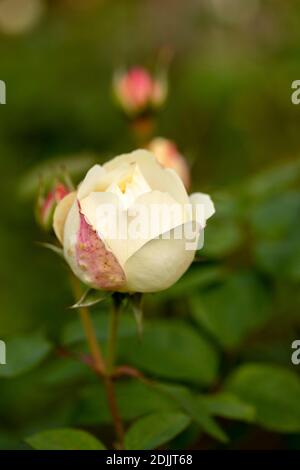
{"points": [[89, 329], [108, 379], [106, 372]]}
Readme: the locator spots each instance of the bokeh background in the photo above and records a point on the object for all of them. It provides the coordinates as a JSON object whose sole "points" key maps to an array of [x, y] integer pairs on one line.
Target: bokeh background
{"points": [[225, 330]]}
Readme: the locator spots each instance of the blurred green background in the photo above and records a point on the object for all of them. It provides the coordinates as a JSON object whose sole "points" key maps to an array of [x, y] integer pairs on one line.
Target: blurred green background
{"points": [[224, 332]]}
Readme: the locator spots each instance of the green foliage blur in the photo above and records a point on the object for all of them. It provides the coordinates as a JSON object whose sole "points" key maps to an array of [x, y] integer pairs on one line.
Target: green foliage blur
{"points": [[219, 342]]}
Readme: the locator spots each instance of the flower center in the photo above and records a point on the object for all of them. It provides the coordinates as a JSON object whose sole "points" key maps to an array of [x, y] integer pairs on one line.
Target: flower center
{"points": [[130, 187], [124, 182]]}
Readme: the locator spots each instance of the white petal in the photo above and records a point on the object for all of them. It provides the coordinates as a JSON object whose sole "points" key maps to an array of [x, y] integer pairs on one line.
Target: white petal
{"points": [[158, 178], [203, 207], [160, 263], [71, 230], [124, 232], [91, 181], [133, 184], [105, 213], [60, 215], [151, 215]]}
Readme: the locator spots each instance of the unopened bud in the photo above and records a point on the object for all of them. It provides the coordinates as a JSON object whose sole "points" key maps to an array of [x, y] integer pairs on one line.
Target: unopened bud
{"points": [[168, 156], [47, 202], [137, 91]]}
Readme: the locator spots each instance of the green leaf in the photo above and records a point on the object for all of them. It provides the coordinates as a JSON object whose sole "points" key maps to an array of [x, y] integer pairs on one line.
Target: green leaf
{"points": [[280, 258], [155, 430], [64, 439], [172, 350], [276, 217], [24, 353], [197, 278], [274, 392], [233, 309], [60, 372], [222, 237], [134, 398], [277, 226], [195, 408], [228, 406], [92, 297], [274, 180], [73, 332]]}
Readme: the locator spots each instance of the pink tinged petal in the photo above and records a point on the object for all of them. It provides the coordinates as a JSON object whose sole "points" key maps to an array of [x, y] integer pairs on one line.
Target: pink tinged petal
{"points": [[60, 192], [48, 208], [101, 266], [48, 205], [141, 85], [168, 156], [180, 165]]}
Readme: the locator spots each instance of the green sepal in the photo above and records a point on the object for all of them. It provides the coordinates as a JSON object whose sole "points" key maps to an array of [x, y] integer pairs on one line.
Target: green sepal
{"points": [[136, 302], [91, 297], [56, 249]]}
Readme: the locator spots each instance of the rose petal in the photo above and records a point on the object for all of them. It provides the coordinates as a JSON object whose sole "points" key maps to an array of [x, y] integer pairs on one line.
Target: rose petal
{"points": [[156, 213], [61, 213], [158, 178], [104, 212], [160, 263], [124, 232], [99, 264], [91, 181], [205, 202]]}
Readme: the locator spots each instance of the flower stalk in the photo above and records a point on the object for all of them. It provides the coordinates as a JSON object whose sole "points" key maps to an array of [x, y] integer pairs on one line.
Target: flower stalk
{"points": [[110, 368], [113, 332], [113, 407], [104, 369], [89, 330]]}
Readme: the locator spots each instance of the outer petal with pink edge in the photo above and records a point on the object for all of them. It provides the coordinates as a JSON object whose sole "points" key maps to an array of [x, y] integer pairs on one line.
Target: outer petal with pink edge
{"points": [[88, 256]]}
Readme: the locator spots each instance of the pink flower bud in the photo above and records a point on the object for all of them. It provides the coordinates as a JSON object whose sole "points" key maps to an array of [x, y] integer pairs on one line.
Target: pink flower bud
{"points": [[138, 91], [47, 203], [168, 156]]}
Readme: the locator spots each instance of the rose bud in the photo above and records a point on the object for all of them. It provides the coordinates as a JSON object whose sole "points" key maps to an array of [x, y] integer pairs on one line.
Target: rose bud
{"points": [[168, 156], [130, 226], [137, 91], [47, 203]]}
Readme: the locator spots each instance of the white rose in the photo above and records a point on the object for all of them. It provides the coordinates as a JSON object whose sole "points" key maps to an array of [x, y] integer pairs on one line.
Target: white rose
{"points": [[147, 255]]}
